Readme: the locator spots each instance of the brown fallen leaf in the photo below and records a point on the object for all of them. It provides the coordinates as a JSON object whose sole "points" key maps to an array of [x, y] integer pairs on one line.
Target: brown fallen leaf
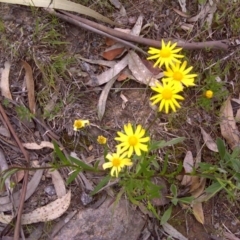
{"points": [[113, 53], [228, 124], [209, 141], [4, 83], [30, 86], [198, 212]]}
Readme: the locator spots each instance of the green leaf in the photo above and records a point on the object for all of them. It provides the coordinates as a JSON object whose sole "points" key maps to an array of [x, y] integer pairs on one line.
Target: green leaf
{"points": [[214, 188], [72, 176], [59, 153], [166, 215], [186, 200], [221, 148], [102, 183], [161, 144], [174, 201], [81, 164], [173, 190]]}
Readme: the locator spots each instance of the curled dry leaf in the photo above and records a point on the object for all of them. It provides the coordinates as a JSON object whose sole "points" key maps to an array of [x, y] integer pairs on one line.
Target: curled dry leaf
{"points": [[198, 212], [228, 125], [112, 53], [209, 141], [4, 83], [49, 212], [58, 183], [30, 86], [188, 167]]}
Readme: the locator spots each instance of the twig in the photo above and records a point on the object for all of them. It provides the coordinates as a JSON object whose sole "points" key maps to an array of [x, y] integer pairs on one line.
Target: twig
{"points": [[25, 180], [132, 38], [90, 28]]}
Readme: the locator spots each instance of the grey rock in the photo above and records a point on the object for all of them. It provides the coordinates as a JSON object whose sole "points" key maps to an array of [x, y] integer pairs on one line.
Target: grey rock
{"points": [[109, 221]]}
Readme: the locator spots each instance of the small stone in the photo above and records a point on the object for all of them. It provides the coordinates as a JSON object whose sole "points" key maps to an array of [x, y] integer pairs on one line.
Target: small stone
{"points": [[86, 198], [50, 190]]}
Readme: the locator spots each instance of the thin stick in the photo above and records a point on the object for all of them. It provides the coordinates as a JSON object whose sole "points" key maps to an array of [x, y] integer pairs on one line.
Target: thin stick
{"points": [[145, 41]]}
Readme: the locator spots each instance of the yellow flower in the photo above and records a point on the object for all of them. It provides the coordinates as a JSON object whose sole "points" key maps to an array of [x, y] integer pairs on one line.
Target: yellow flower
{"points": [[179, 75], [132, 141], [117, 161], [209, 94], [101, 139], [167, 96], [80, 124], [167, 55]]}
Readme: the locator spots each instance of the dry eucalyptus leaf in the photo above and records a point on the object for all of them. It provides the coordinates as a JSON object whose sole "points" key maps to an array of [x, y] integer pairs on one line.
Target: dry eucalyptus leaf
{"points": [[188, 164], [58, 183], [99, 62], [109, 74], [197, 186], [47, 213], [182, 3], [103, 98], [4, 132], [198, 212], [35, 146], [5, 203], [209, 141], [173, 232], [63, 5], [228, 125], [139, 70], [4, 83], [30, 86], [136, 30]]}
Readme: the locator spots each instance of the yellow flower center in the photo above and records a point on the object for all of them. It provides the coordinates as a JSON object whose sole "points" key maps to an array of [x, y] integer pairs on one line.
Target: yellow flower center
{"points": [[78, 124], [132, 141], [165, 53], [167, 94], [116, 162], [178, 76]]}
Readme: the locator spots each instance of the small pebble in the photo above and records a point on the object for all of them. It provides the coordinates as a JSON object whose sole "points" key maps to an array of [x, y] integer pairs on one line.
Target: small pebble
{"points": [[86, 198], [50, 190]]}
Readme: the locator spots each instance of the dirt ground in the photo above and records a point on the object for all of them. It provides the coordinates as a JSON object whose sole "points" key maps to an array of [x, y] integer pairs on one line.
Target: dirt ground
{"points": [[53, 49]]}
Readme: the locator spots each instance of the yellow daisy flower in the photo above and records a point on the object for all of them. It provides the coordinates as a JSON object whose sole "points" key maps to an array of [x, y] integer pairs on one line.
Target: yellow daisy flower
{"points": [[117, 161], [80, 124], [167, 96], [167, 55], [179, 75], [132, 141], [209, 94], [102, 140]]}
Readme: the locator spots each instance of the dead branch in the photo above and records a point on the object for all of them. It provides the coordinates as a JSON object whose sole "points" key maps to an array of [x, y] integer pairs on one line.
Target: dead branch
{"points": [[106, 31]]}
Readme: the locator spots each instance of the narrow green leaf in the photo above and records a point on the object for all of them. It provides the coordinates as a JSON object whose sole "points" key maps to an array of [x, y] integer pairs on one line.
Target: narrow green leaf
{"points": [[102, 183], [72, 176], [166, 216], [186, 200], [161, 144], [81, 164], [173, 190], [221, 148], [60, 154]]}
